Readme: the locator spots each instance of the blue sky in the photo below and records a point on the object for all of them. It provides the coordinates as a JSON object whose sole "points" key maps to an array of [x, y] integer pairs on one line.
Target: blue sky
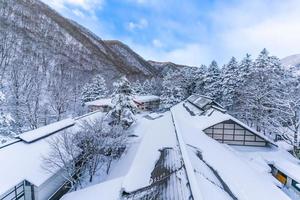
{"points": [[191, 32]]}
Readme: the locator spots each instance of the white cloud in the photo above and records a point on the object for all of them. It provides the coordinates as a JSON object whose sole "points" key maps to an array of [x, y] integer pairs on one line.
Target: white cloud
{"points": [[140, 24], [192, 54], [253, 25], [87, 5], [157, 43]]}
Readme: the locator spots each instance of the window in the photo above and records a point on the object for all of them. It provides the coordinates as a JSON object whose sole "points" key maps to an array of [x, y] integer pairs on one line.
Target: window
{"points": [[230, 132], [296, 185]]}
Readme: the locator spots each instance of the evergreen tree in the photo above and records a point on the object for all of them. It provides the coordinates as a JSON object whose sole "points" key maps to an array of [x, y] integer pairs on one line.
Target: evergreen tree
{"points": [[95, 90], [212, 82], [123, 109], [173, 91], [242, 109], [137, 87], [230, 82], [263, 87], [6, 122]]}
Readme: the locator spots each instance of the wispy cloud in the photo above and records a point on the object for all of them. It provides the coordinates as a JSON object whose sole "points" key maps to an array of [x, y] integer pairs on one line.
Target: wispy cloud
{"points": [[140, 24], [192, 32]]}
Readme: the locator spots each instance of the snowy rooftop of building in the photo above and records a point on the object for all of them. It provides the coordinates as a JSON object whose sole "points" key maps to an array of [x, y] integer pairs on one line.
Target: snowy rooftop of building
{"points": [[278, 157], [107, 101], [213, 116], [238, 179], [44, 131], [23, 161], [201, 101], [212, 170], [100, 102], [109, 190], [146, 98]]}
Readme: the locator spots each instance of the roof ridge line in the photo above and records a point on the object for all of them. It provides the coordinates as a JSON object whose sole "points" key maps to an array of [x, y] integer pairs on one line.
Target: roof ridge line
{"points": [[194, 187]]}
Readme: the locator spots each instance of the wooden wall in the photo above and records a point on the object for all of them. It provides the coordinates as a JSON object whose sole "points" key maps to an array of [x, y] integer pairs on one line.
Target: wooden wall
{"points": [[229, 132]]}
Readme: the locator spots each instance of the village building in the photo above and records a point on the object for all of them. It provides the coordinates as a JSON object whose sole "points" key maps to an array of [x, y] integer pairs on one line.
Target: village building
{"points": [[22, 173], [178, 158], [103, 105], [143, 103], [223, 127], [147, 103], [177, 155]]}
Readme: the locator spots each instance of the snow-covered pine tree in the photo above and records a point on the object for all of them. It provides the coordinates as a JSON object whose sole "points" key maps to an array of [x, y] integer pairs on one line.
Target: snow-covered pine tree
{"points": [[263, 88], [230, 82], [6, 122], [212, 82], [147, 87], [200, 79], [242, 109], [95, 90], [123, 109], [192, 76], [173, 91], [137, 87]]}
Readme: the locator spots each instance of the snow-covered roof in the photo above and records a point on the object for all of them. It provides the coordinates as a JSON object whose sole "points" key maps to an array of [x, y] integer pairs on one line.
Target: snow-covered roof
{"points": [[45, 131], [109, 190], [107, 101], [100, 102], [214, 116], [201, 101], [292, 170], [279, 158], [160, 136], [238, 178], [23, 161], [146, 98]]}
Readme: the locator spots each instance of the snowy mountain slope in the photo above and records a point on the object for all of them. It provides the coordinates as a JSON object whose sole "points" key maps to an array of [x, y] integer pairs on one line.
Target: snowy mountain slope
{"points": [[76, 45], [129, 58], [291, 61], [164, 67]]}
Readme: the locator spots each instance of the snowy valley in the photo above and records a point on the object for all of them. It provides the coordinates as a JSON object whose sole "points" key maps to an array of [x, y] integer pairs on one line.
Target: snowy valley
{"points": [[83, 118]]}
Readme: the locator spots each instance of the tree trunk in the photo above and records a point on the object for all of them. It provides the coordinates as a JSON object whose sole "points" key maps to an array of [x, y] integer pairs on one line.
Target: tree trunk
{"points": [[295, 146]]}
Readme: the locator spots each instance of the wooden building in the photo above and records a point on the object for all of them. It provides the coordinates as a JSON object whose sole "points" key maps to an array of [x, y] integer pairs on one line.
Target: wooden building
{"points": [[224, 128], [231, 132], [147, 103], [287, 175], [103, 105]]}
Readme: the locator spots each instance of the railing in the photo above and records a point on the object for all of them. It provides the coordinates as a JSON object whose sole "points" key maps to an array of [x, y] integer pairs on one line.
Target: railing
{"points": [[16, 193]]}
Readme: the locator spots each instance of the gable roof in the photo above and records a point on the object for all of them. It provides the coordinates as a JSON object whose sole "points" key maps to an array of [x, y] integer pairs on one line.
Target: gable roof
{"points": [[23, 157], [214, 116], [45, 131], [201, 101], [237, 177]]}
